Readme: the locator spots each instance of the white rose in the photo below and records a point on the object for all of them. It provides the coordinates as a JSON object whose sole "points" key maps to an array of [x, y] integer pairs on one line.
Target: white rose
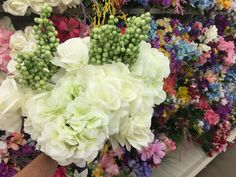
{"points": [[151, 64], [36, 5], [11, 101], [16, 7], [53, 3], [133, 133], [17, 43], [72, 54]]}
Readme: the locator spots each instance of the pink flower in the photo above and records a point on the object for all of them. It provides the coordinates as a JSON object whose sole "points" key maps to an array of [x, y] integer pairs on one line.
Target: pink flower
{"points": [[202, 103], [159, 152], [107, 162], [146, 153], [155, 151], [211, 117], [4, 49], [203, 58], [227, 47], [16, 140], [112, 170], [118, 152], [198, 25], [60, 172], [210, 77], [170, 144]]}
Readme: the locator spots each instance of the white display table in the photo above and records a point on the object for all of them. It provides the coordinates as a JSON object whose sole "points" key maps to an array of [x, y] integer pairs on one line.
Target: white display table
{"points": [[186, 162]]}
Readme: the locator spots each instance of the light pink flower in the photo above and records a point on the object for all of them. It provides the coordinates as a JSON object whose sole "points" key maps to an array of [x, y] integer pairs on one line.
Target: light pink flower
{"points": [[211, 117], [210, 77], [228, 47], [4, 49], [203, 58], [198, 25], [155, 151], [170, 144]]}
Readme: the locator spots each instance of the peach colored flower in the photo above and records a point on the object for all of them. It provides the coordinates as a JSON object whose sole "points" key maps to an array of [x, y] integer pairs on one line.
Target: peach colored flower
{"points": [[16, 140], [210, 77]]}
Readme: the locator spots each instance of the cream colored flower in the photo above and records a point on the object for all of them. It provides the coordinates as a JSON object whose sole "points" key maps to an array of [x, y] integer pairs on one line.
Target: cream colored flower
{"points": [[16, 7], [204, 48], [36, 5], [11, 101], [72, 54], [22, 41], [211, 34]]}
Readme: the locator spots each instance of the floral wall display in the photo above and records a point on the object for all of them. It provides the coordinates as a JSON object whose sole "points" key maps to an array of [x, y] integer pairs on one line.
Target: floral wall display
{"points": [[113, 94]]}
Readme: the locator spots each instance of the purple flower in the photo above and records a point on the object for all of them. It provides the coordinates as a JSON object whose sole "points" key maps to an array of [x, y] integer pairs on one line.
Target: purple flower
{"points": [[165, 3], [141, 169], [6, 171]]}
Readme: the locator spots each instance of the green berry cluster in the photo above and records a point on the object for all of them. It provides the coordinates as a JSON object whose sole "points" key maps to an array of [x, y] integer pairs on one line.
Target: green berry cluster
{"points": [[109, 45], [35, 67]]}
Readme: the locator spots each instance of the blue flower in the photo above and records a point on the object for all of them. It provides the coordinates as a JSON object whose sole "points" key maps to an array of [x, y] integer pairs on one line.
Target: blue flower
{"points": [[202, 4], [141, 169], [185, 51], [214, 91], [153, 27], [143, 2]]}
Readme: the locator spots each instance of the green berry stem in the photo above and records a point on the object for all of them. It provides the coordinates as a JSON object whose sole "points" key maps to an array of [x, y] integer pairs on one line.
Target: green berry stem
{"points": [[109, 45], [35, 67]]}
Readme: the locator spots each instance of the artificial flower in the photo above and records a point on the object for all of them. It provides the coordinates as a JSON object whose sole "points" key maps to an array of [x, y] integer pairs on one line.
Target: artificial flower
{"points": [[211, 117], [16, 7], [4, 49], [72, 54], [68, 28], [11, 101], [155, 152], [210, 34], [22, 41]]}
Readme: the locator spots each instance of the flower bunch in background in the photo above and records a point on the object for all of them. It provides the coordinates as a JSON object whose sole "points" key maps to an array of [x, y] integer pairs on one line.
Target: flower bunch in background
{"points": [[198, 84], [16, 151], [69, 28]]}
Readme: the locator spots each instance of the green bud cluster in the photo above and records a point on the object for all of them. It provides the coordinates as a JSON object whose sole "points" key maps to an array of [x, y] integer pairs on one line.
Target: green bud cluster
{"points": [[35, 67], [109, 45]]}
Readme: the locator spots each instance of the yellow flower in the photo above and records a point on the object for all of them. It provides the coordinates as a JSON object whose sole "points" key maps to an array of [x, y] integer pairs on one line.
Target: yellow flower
{"points": [[183, 95], [198, 129], [98, 172]]}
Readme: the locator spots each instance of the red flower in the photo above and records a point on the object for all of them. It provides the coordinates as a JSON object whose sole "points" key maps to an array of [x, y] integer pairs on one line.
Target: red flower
{"points": [[169, 85], [60, 172], [68, 27]]}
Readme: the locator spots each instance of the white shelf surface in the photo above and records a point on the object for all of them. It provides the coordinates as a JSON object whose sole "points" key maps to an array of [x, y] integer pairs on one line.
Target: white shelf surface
{"points": [[187, 161]]}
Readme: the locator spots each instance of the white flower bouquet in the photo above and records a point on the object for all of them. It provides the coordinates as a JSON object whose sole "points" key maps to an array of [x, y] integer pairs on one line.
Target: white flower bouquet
{"points": [[77, 95]]}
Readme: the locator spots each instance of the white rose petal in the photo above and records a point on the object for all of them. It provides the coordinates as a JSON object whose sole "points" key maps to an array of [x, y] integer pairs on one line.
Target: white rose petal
{"points": [[16, 7], [10, 105], [72, 54]]}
